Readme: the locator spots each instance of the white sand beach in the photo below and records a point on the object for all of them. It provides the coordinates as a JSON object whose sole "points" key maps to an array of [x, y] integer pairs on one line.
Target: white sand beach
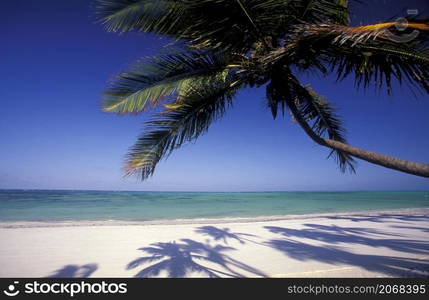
{"points": [[377, 244]]}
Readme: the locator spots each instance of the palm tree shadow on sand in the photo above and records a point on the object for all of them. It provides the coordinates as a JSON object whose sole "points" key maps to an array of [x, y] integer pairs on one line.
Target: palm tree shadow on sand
{"points": [[224, 234], [380, 218], [187, 257], [75, 271], [389, 265], [336, 235]]}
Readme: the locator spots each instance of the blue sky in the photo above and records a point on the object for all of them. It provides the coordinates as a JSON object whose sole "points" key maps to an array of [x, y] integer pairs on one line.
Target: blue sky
{"points": [[56, 61]]}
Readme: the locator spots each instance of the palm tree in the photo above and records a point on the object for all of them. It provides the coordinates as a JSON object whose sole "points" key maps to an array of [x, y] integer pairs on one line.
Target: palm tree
{"points": [[222, 46]]}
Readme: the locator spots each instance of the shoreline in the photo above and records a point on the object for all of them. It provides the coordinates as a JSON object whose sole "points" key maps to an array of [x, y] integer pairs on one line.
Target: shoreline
{"points": [[424, 211]]}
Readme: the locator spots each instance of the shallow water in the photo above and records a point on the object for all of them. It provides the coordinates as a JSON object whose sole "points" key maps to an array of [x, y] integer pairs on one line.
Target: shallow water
{"points": [[47, 206]]}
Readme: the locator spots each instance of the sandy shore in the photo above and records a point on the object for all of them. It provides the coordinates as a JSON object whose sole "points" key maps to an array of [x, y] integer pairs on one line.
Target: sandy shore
{"points": [[376, 244]]}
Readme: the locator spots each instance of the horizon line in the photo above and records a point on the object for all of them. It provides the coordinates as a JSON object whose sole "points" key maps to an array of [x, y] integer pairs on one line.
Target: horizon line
{"points": [[212, 191]]}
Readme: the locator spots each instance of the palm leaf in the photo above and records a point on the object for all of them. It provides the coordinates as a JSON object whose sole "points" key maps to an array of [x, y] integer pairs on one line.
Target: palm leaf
{"points": [[284, 90], [150, 82], [325, 122], [379, 65], [224, 24], [366, 52], [186, 120], [381, 31], [319, 11], [160, 16]]}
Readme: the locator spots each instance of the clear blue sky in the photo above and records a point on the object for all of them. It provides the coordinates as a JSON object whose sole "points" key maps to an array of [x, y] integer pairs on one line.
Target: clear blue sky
{"points": [[55, 62]]}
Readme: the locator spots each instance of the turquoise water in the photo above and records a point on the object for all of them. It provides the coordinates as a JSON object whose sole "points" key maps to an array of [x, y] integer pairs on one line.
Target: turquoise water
{"points": [[24, 205]]}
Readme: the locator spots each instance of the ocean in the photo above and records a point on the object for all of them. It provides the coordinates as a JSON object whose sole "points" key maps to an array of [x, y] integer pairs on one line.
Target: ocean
{"points": [[59, 205]]}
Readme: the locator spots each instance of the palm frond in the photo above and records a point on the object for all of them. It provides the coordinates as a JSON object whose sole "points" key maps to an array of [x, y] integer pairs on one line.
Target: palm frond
{"points": [[151, 81], [325, 122], [204, 23], [379, 65], [284, 90], [319, 11], [224, 24], [160, 16], [374, 32], [179, 123], [277, 16], [365, 52], [373, 57]]}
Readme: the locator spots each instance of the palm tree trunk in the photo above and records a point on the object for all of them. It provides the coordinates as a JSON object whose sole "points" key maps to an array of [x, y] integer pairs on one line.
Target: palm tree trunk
{"points": [[401, 165]]}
